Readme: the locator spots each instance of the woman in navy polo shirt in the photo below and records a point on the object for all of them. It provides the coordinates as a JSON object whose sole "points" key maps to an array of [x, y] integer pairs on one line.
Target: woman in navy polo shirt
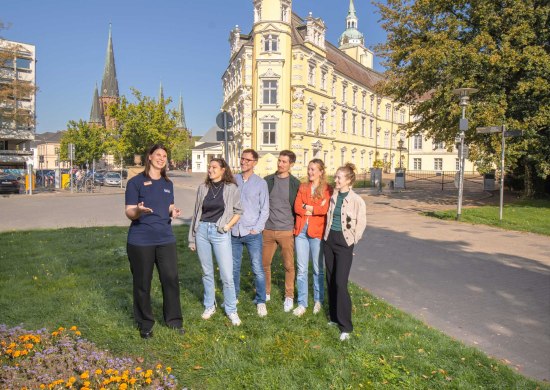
{"points": [[150, 206]]}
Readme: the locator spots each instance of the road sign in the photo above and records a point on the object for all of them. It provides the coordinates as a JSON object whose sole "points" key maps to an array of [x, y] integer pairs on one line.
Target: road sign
{"points": [[513, 133], [489, 130], [221, 137], [71, 151], [466, 151], [224, 120]]}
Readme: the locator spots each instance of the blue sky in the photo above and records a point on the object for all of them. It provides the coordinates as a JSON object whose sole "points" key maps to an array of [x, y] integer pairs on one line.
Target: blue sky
{"points": [[183, 43]]}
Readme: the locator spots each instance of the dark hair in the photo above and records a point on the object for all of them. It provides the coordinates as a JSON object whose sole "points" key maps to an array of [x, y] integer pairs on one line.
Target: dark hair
{"points": [[227, 174], [349, 170], [152, 150], [320, 190], [290, 154], [252, 152]]}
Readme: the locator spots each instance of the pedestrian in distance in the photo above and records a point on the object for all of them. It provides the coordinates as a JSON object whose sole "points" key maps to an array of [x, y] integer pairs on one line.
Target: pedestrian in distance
{"points": [[346, 222], [217, 209], [150, 206], [247, 232], [311, 207], [279, 227]]}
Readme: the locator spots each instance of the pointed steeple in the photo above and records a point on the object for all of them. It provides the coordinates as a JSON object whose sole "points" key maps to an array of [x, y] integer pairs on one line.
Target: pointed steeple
{"points": [[351, 19], [180, 124], [161, 93], [352, 36], [96, 115], [109, 85]]}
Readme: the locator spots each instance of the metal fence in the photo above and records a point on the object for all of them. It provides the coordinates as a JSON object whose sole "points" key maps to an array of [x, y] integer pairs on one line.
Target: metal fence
{"points": [[442, 180]]}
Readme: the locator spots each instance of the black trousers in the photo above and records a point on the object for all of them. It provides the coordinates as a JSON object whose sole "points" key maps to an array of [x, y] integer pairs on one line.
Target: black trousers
{"points": [[142, 260], [338, 258]]}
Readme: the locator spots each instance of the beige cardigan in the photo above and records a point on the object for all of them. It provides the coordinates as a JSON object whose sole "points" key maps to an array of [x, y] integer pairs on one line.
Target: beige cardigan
{"points": [[353, 207]]}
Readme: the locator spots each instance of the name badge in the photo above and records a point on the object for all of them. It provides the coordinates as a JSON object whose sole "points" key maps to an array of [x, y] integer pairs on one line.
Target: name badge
{"points": [[167, 190], [147, 183]]}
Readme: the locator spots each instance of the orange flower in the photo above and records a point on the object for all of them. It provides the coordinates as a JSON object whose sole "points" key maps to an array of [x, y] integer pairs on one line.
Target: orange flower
{"points": [[77, 333], [168, 370], [98, 372], [148, 381], [73, 328]]}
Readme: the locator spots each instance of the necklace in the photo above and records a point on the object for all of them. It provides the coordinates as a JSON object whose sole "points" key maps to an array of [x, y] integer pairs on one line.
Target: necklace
{"points": [[216, 190]]}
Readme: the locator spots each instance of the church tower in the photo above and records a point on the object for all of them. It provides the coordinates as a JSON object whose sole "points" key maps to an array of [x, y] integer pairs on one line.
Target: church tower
{"points": [[271, 75], [180, 124], [352, 41], [96, 113], [109, 85]]}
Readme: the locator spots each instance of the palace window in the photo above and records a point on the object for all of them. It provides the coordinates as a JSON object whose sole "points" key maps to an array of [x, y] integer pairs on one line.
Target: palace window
{"points": [[269, 133], [386, 139], [388, 111], [438, 164], [417, 142], [354, 98], [353, 124], [344, 87], [271, 42], [363, 121], [439, 145], [322, 122], [371, 128], [324, 80], [417, 164], [310, 119], [269, 92], [344, 114], [311, 75]]}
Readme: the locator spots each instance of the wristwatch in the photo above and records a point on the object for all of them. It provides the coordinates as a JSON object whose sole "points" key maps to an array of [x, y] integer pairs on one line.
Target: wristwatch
{"points": [[304, 206]]}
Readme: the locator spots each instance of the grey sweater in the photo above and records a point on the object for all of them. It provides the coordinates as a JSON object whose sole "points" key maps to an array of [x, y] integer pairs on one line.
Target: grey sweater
{"points": [[231, 200]]}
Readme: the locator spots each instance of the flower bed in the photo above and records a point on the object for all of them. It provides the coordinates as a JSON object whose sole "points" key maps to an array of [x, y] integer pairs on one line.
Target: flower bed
{"points": [[63, 359]]}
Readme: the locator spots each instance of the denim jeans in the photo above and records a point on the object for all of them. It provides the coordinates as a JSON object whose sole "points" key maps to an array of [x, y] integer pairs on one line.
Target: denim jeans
{"points": [[207, 239], [305, 247], [253, 243]]}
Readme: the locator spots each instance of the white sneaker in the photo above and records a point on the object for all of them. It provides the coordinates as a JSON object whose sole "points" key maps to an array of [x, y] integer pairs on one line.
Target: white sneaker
{"points": [[344, 336], [317, 307], [330, 323], [289, 303], [299, 311], [267, 297], [208, 312], [235, 320], [262, 309]]}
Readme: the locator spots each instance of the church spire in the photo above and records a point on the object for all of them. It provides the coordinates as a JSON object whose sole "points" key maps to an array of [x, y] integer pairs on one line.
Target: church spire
{"points": [[96, 116], [109, 85], [161, 93], [180, 124], [351, 19]]}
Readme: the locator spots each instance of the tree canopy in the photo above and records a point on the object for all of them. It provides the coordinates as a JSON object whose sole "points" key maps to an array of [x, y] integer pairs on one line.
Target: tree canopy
{"points": [[499, 47], [89, 140]]}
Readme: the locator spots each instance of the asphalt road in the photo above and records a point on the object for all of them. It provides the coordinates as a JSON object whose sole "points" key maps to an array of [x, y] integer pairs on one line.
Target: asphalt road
{"points": [[486, 287]]}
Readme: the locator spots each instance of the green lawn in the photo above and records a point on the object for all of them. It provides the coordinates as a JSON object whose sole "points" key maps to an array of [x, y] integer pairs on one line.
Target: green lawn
{"points": [[528, 215], [81, 277]]}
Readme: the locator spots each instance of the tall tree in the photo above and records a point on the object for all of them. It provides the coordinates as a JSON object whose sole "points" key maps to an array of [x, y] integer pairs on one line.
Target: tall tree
{"points": [[15, 91], [500, 47], [144, 123], [89, 140]]}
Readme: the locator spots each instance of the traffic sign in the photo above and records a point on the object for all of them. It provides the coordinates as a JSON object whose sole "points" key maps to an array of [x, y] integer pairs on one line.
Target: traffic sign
{"points": [[224, 120], [466, 151], [513, 133], [221, 137], [489, 130]]}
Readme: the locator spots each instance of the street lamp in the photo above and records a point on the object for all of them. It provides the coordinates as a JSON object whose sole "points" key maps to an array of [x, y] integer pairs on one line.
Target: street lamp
{"points": [[464, 98], [401, 149]]}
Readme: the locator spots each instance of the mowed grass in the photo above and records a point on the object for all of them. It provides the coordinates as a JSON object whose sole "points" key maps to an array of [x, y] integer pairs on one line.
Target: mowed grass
{"points": [[527, 215], [81, 277]]}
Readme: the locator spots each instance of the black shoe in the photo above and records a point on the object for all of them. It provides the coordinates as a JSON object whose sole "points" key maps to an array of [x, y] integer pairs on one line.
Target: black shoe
{"points": [[180, 330], [146, 334]]}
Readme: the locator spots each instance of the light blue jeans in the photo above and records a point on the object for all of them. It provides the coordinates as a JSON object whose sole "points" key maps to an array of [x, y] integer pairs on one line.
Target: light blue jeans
{"points": [[253, 243], [306, 248], [209, 239]]}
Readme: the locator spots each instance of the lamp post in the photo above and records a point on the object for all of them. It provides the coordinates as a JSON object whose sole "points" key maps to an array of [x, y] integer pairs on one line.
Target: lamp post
{"points": [[400, 148], [464, 98]]}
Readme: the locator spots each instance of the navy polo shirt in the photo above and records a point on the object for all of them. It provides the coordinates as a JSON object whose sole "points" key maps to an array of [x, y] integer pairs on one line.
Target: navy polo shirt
{"points": [[154, 228]]}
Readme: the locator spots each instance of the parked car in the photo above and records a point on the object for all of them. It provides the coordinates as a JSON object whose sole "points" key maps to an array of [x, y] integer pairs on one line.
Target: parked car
{"points": [[99, 178], [112, 179], [9, 184]]}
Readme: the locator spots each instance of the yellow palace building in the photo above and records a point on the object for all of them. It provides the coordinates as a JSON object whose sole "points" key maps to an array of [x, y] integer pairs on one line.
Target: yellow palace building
{"points": [[288, 88]]}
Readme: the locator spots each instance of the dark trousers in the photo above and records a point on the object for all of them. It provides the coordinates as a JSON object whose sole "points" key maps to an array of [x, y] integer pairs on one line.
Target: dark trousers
{"points": [[338, 258], [142, 260]]}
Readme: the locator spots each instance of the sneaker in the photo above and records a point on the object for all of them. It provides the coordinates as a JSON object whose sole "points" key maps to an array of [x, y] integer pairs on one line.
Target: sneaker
{"points": [[208, 312], [331, 323], [299, 311], [344, 336], [289, 303], [235, 320], [317, 307], [262, 309], [267, 297]]}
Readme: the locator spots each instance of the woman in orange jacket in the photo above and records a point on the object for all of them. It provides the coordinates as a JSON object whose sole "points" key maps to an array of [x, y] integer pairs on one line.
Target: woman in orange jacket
{"points": [[311, 207]]}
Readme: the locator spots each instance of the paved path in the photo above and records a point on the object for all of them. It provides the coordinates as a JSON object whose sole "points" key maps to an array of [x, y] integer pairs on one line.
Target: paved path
{"points": [[487, 287]]}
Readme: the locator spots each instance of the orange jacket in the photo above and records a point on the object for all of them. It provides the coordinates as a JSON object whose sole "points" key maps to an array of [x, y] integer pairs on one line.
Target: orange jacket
{"points": [[317, 221]]}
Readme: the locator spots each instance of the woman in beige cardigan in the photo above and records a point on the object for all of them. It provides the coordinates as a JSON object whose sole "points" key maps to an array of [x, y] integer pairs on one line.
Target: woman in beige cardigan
{"points": [[346, 222]]}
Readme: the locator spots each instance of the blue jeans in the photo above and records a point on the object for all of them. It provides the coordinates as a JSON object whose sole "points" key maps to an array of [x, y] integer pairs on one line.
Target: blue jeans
{"points": [[305, 247], [207, 239], [254, 244]]}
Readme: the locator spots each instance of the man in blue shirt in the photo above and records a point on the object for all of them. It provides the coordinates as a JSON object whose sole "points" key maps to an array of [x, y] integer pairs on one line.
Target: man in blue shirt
{"points": [[247, 232]]}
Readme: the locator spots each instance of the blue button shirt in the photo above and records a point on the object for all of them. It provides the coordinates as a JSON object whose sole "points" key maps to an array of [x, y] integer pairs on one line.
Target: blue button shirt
{"points": [[255, 203], [154, 228]]}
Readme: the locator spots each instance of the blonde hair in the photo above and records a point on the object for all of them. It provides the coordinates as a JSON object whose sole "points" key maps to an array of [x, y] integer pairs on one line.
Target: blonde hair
{"points": [[349, 170], [320, 189]]}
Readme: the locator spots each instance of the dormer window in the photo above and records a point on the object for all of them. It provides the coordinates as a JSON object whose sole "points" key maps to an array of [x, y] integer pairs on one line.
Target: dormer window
{"points": [[271, 42]]}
